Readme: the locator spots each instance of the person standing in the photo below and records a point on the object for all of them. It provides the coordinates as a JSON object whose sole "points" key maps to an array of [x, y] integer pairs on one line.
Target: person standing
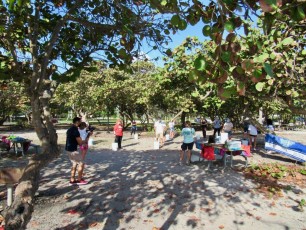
{"points": [[217, 126], [228, 127], [72, 141], [134, 128], [187, 133], [118, 132], [171, 128], [159, 128], [204, 126], [84, 136], [252, 131]]}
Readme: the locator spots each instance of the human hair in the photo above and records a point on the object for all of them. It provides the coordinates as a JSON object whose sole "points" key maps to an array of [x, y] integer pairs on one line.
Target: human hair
{"points": [[187, 123], [76, 119], [82, 125]]}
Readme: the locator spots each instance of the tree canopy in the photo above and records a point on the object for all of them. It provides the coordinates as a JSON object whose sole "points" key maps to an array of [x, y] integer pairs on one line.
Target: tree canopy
{"points": [[44, 41]]}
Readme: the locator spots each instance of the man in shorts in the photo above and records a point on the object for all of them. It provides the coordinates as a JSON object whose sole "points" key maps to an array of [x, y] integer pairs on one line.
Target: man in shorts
{"points": [[72, 141], [160, 127], [188, 134]]}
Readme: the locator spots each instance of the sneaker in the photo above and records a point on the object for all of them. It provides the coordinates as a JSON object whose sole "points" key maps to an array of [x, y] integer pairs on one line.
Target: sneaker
{"points": [[81, 182], [187, 162], [73, 182], [181, 163]]}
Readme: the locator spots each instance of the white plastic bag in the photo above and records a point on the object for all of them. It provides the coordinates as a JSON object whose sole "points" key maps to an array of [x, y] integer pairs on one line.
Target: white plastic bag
{"points": [[156, 144], [114, 146], [90, 142], [136, 136]]}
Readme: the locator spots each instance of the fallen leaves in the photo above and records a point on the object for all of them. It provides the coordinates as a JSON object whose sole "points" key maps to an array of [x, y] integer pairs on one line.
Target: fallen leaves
{"points": [[272, 214], [221, 226], [72, 212], [156, 210], [194, 218], [148, 221]]}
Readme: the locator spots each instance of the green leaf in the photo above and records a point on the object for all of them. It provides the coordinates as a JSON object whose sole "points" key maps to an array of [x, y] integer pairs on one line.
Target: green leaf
{"points": [[228, 92], [206, 30], [303, 52], [287, 41], [261, 58], [257, 73], [195, 94], [199, 63], [229, 26], [268, 69], [11, 4], [175, 20], [226, 56], [193, 75], [259, 86], [163, 2], [182, 25]]}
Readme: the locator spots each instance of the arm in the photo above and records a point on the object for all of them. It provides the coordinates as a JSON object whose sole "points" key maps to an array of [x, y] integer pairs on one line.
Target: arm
{"points": [[79, 140]]}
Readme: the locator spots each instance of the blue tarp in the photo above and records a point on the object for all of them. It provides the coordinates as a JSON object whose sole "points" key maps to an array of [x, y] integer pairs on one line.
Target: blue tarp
{"points": [[285, 146]]}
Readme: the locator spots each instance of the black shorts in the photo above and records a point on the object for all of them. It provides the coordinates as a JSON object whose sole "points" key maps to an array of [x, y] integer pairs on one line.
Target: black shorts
{"points": [[186, 146]]}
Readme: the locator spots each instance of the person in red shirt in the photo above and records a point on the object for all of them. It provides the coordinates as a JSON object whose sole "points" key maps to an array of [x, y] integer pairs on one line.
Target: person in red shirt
{"points": [[118, 132]]}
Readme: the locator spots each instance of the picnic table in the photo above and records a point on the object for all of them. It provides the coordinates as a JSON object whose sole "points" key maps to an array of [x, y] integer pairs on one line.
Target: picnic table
{"points": [[19, 144], [218, 151]]}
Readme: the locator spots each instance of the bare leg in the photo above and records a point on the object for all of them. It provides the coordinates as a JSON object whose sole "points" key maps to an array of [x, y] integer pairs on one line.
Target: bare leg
{"points": [[73, 170], [251, 142], [181, 155], [83, 154], [80, 171], [254, 142], [189, 156]]}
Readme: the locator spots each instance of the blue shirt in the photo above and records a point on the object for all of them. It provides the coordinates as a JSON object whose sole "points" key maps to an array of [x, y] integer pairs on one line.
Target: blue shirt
{"points": [[188, 134]]}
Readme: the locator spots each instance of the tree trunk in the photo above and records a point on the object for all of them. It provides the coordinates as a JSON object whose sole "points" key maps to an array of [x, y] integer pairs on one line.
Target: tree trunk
{"points": [[183, 118], [2, 120], [19, 213]]}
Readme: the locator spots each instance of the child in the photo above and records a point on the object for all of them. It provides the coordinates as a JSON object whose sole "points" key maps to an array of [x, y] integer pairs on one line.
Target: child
{"points": [[84, 136], [188, 142]]}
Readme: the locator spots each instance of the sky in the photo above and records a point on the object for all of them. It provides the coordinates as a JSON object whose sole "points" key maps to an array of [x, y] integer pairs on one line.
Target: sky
{"points": [[177, 39]]}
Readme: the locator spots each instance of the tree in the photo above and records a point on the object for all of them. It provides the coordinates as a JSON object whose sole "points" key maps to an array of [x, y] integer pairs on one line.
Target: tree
{"points": [[12, 100], [84, 95], [54, 40], [129, 93], [36, 36]]}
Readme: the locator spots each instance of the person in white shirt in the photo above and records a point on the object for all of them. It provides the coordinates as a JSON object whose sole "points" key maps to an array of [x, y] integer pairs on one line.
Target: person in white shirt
{"points": [[171, 128], [252, 135], [84, 136], [228, 127], [159, 128]]}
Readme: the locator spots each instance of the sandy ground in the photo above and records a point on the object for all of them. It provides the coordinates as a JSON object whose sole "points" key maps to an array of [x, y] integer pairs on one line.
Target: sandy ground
{"points": [[141, 188]]}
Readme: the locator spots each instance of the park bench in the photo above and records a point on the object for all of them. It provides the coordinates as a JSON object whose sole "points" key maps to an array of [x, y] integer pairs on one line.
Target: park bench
{"points": [[9, 177]]}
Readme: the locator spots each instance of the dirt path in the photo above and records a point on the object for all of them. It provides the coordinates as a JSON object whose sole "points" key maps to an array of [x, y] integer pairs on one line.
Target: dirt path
{"points": [[141, 188]]}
